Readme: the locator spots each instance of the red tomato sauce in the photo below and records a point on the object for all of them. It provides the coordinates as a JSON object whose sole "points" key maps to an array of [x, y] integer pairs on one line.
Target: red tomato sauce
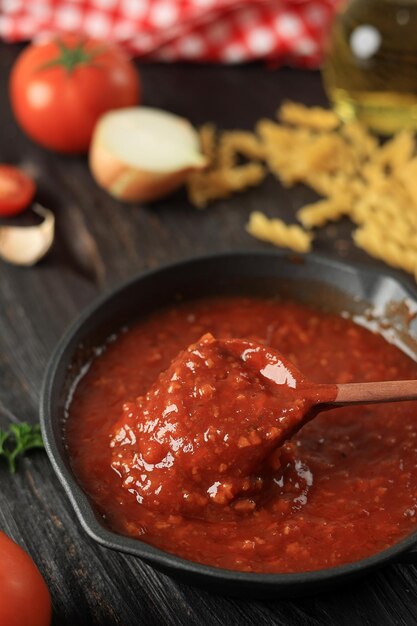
{"points": [[342, 489]]}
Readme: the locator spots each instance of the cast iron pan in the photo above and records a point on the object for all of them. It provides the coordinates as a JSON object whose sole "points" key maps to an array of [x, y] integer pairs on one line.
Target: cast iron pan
{"points": [[312, 280]]}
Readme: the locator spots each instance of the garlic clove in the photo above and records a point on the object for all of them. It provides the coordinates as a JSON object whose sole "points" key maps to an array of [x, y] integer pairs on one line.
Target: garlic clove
{"points": [[26, 245]]}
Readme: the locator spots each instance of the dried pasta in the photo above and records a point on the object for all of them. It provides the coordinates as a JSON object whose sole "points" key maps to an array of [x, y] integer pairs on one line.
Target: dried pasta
{"points": [[277, 232], [319, 213], [208, 141], [224, 176], [372, 239], [315, 118], [206, 186], [372, 183], [235, 143]]}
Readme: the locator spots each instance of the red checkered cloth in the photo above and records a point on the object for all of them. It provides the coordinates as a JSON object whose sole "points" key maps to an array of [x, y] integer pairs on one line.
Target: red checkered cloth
{"points": [[225, 31]]}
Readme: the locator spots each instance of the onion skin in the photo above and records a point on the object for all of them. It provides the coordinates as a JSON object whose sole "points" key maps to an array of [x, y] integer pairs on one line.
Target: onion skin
{"points": [[129, 184], [133, 184]]}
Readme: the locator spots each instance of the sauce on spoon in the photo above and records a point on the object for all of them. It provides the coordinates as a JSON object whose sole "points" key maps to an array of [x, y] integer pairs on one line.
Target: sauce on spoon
{"points": [[203, 434]]}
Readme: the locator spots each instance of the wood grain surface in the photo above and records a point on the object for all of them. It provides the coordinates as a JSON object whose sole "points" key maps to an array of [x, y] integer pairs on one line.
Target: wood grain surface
{"points": [[91, 585]]}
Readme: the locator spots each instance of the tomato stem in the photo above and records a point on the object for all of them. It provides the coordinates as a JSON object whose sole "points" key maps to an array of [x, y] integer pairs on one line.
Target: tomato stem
{"points": [[70, 58]]}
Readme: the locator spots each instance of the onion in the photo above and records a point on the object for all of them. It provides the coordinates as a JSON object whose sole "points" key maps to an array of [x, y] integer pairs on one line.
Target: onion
{"points": [[141, 154]]}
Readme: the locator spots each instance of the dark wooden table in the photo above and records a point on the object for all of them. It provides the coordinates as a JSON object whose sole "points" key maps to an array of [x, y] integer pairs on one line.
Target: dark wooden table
{"points": [[89, 584]]}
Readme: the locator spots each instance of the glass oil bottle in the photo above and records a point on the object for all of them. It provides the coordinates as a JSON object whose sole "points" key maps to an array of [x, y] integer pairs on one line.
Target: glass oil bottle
{"points": [[370, 72]]}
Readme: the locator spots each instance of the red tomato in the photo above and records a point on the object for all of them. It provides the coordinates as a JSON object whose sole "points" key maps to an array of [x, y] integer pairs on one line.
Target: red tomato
{"points": [[60, 88], [16, 190], [25, 599]]}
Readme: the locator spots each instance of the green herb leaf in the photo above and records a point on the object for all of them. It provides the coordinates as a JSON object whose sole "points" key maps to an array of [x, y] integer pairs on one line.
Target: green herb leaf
{"points": [[17, 440], [4, 435]]}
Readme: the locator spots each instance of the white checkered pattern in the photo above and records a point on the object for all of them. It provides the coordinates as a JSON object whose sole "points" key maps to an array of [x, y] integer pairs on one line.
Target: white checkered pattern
{"points": [[218, 31]]}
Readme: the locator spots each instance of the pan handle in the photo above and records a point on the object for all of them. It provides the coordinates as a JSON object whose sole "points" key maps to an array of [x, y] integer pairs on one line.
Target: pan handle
{"points": [[408, 556]]}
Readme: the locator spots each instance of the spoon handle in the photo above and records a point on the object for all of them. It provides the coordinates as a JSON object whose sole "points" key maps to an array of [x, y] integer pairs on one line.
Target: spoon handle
{"points": [[385, 391]]}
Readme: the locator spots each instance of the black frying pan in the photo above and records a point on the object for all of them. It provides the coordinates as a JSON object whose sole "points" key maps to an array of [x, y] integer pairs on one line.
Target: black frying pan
{"points": [[312, 280]]}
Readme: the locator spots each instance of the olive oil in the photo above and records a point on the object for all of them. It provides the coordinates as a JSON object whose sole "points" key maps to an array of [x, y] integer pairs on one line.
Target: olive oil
{"points": [[370, 72]]}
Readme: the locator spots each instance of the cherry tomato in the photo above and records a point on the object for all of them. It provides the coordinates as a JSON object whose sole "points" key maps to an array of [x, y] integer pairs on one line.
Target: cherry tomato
{"points": [[25, 599], [59, 89], [16, 190]]}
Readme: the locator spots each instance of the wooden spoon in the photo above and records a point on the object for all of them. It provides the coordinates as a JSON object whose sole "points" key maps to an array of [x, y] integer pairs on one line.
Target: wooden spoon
{"points": [[372, 393], [317, 397]]}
